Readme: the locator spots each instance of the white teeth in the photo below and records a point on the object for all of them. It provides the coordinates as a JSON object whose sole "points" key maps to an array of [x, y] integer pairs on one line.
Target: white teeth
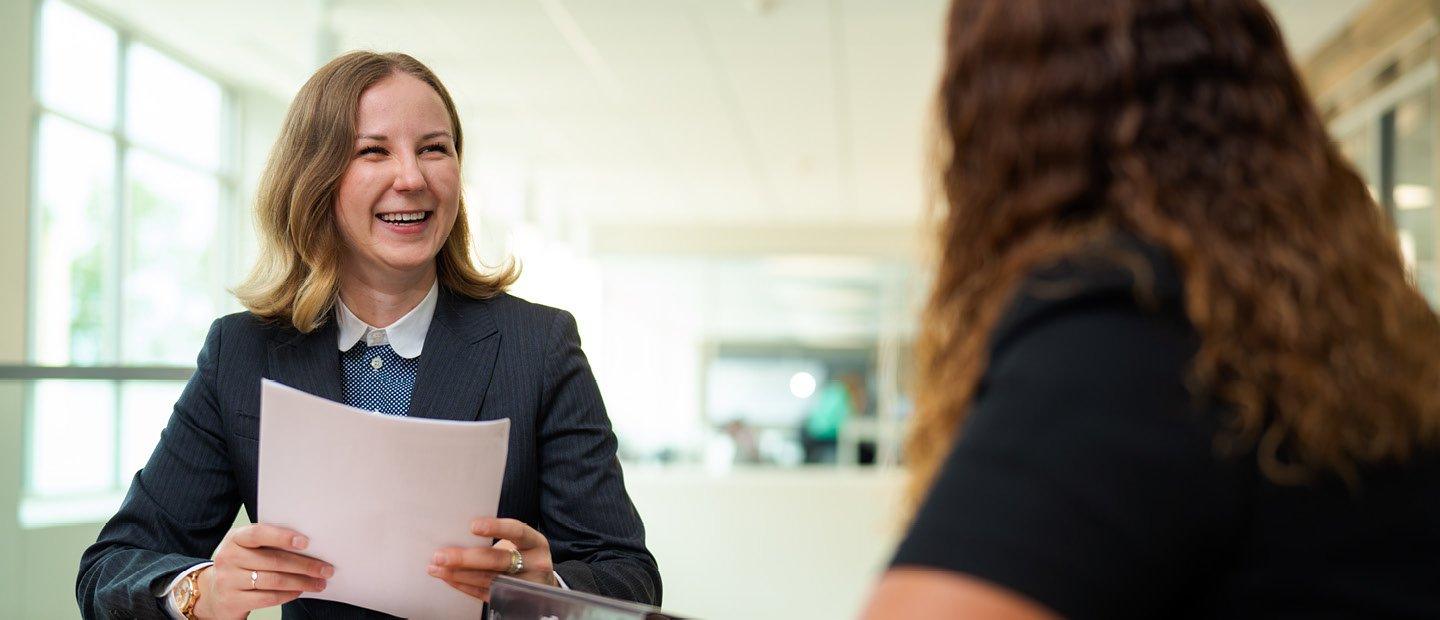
{"points": [[402, 217]]}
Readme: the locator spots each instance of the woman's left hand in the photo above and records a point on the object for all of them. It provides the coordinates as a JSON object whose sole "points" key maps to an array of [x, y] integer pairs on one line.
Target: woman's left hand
{"points": [[470, 570]]}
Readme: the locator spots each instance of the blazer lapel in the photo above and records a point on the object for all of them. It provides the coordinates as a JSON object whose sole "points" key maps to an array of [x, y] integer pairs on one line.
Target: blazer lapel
{"points": [[308, 362], [458, 360]]}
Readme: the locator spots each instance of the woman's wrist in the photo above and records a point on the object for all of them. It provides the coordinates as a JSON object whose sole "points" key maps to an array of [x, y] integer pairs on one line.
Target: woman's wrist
{"points": [[201, 609]]}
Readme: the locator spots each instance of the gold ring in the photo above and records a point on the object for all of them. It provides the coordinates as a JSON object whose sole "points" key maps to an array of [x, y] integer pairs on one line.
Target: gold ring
{"points": [[254, 577], [517, 563]]}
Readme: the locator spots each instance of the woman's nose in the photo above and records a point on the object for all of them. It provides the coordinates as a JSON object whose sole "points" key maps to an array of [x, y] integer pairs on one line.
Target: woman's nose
{"points": [[409, 178]]}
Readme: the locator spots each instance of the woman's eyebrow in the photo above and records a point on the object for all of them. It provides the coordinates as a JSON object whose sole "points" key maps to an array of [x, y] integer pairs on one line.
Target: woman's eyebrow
{"points": [[382, 137]]}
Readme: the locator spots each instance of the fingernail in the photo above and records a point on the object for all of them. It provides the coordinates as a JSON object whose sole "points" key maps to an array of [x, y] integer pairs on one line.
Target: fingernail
{"points": [[322, 587], [433, 570], [439, 558], [477, 526], [327, 572], [299, 542]]}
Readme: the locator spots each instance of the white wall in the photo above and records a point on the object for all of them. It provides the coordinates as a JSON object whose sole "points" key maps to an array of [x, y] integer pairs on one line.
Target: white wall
{"points": [[768, 543], [15, 111]]}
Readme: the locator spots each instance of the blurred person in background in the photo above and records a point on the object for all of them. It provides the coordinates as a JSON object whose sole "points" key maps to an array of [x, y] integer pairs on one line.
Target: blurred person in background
{"points": [[365, 293], [840, 400], [1172, 365]]}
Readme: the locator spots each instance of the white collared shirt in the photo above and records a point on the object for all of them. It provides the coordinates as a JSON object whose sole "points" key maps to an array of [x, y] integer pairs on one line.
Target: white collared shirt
{"points": [[406, 335]]}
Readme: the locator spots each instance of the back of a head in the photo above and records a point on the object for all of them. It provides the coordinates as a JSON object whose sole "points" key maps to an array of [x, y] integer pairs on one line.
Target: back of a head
{"points": [[1184, 123]]}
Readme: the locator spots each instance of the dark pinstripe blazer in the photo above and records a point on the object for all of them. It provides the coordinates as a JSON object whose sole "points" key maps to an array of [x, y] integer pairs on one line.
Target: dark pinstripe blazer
{"points": [[483, 360]]}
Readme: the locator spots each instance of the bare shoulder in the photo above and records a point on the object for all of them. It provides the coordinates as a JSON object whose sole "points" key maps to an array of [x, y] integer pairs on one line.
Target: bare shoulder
{"points": [[907, 592]]}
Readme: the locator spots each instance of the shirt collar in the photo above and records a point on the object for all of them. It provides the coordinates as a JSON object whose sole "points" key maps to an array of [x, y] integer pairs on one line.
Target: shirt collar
{"points": [[405, 336]]}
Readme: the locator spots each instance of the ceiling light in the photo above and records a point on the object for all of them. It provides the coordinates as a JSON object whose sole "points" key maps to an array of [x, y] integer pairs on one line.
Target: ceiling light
{"points": [[802, 385]]}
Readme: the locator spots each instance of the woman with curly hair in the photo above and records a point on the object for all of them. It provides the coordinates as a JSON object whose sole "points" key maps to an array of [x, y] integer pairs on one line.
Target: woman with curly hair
{"points": [[1172, 365]]}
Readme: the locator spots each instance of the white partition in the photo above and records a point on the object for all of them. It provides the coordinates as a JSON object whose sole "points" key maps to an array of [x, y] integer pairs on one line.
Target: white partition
{"points": [[768, 543]]}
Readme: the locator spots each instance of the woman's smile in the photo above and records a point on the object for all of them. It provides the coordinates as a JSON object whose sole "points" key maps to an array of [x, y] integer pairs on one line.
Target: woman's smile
{"points": [[406, 223]]}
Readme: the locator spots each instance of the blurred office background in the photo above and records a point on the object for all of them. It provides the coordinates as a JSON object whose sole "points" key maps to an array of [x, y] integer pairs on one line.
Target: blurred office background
{"points": [[728, 194]]}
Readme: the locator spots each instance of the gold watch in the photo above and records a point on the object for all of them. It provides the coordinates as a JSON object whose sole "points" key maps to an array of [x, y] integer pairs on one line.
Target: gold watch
{"points": [[187, 594]]}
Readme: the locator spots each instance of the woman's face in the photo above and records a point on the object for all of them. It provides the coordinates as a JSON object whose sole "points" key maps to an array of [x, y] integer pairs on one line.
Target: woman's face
{"points": [[401, 192]]}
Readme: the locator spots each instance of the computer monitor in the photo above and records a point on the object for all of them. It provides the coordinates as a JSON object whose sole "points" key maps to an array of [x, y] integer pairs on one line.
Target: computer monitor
{"points": [[513, 599]]}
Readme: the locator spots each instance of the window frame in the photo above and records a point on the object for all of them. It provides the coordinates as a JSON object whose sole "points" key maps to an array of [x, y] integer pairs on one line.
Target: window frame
{"points": [[1373, 112], [40, 511]]}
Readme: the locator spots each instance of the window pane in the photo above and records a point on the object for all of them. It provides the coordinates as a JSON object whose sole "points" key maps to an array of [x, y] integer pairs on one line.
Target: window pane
{"points": [[171, 272], [144, 409], [75, 180], [1414, 194], [77, 64], [171, 108], [72, 447]]}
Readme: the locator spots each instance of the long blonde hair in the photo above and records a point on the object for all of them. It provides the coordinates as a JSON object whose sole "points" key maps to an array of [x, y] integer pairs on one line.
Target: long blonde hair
{"points": [[296, 277], [1182, 122]]}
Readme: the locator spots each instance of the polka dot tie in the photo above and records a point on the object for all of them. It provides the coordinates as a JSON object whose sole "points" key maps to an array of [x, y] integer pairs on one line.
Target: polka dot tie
{"points": [[378, 379]]}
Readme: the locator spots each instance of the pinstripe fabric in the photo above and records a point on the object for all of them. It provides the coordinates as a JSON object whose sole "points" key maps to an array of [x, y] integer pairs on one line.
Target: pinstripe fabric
{"points": [[498, 358]]}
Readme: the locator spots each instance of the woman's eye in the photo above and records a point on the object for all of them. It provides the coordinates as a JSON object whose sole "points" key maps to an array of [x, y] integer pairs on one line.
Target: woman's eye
{"points": [[436, 148], [371, 150]]}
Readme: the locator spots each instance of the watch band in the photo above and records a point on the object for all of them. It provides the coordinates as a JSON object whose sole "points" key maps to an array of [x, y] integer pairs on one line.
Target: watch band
{"points": [[191, 587]]}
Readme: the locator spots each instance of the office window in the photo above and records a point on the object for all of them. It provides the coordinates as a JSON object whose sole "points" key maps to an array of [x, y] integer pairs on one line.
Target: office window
{"points": [[1413, 194], [1390, 140], [130, 186], [75, 188]]}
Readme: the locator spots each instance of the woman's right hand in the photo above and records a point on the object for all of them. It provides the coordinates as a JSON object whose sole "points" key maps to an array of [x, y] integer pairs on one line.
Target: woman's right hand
{"points": [[271, 552]]}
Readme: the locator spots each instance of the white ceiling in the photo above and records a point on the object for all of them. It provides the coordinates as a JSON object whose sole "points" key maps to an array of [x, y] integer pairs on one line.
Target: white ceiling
{"points": [[674, 111], [671, 110]]}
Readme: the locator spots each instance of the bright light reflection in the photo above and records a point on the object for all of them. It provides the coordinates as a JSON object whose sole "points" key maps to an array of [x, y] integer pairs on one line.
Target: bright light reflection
{"points": [[802, 384]]}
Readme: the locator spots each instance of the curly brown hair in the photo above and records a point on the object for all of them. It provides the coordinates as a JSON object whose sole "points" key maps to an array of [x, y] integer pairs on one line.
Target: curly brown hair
{"points": [[1183, 123]]}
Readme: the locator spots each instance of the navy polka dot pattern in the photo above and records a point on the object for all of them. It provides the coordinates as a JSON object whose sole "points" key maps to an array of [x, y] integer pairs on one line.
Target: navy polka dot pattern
{"points": [[378, 379]]}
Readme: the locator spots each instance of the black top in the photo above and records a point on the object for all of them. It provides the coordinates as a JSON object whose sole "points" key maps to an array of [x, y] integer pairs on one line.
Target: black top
{"points": [[1086, 478]]}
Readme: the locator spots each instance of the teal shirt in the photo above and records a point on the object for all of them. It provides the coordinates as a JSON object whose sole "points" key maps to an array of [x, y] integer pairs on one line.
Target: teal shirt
{"points": [[830, 413]]}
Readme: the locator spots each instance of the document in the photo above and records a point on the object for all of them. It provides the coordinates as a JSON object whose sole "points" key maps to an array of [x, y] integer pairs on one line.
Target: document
{"points": [[377, 495]]}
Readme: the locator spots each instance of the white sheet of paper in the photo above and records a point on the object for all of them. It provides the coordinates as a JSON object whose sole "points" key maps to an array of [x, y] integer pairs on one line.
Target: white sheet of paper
{"points": [[377, 495]]}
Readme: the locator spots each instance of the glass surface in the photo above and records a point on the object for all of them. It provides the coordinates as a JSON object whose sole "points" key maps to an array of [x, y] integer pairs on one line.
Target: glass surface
{"points": [[72, 438], [145, 407], [77, 65], [764, 392], [75, 171], [172, 109], [1414, 192], [171, 269]]}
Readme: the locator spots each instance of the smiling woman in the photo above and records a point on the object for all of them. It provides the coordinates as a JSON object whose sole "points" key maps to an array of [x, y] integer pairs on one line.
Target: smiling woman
{"points": [[365, 293], [399, 196], [380, 137]]}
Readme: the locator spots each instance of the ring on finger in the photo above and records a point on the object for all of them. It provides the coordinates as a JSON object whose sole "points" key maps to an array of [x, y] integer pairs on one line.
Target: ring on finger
{"points": [[517, 563], [254, 577]]}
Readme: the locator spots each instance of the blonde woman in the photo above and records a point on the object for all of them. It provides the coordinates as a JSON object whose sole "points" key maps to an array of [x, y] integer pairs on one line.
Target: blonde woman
{"points": [[366, 294], [1172, 365]]}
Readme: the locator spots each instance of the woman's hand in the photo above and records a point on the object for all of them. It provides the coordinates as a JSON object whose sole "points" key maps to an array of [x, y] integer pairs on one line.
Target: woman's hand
{"points": [[470, 570], [270, 553]]}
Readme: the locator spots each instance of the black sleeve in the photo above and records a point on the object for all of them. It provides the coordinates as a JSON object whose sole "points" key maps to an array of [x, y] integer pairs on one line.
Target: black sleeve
{"points": [[176, 512], [1085, 477], [596, 537]]}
